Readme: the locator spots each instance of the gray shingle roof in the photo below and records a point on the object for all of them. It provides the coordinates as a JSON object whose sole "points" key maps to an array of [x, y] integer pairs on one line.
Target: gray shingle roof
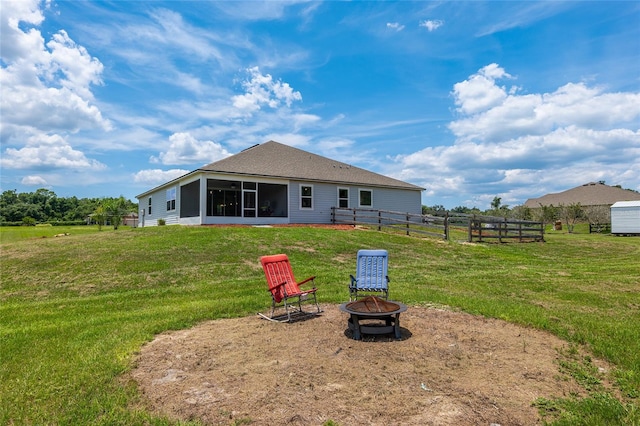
{"points": [[589, 194], [277, 160]]}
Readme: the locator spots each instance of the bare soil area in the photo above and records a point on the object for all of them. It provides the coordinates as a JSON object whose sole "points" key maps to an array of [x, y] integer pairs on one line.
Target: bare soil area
{"points": [[449, 368]]}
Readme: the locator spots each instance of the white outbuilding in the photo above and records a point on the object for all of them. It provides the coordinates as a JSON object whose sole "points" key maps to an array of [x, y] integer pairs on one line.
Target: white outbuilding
{"points": [[625, 218]]}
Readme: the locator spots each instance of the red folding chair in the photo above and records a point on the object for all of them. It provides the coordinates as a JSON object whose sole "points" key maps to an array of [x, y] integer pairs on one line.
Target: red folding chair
{"points": [[285, 289]]}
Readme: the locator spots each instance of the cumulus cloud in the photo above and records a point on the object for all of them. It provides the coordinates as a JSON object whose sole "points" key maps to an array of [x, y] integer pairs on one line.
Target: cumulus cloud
{"points": [[45, 87], [34, 180], [262, 90], [395, 26], [153, 177], [507, 140], [431, 25], [480, 92], [185, 149], [49, 152]]}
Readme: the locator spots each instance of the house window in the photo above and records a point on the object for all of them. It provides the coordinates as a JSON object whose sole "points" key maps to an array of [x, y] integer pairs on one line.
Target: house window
{"points": [[171, 199], [306, 196], [365, 197], [343, 198], [149, 208]]}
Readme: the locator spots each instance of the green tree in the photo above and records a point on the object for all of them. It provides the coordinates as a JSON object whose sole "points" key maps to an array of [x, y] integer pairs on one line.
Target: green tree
{"points": [[99, 216], [570, 214], [546, 214], [437, 209], [28, 221], [522, 213], [116, 208], [495, 204], [597, 215]]}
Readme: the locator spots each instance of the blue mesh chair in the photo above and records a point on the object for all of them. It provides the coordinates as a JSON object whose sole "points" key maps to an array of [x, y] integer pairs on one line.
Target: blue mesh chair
{"points": [[371, 275]]}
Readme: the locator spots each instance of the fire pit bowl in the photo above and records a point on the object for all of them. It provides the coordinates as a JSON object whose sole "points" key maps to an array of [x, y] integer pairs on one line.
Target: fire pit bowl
{"points": [[385, 316]]}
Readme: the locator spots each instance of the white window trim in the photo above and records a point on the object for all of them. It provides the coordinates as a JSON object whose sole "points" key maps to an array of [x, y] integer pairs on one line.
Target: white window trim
{"points": [[340, 188], [174, 199], [360, 190], [301, 196]]}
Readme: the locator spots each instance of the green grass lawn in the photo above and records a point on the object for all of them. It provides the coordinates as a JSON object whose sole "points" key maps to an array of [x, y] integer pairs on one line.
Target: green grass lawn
{"points": [[74, 310]]}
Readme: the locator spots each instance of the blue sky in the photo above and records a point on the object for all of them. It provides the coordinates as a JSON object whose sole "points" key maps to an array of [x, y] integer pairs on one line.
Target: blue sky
{"points": [[470, 100]]}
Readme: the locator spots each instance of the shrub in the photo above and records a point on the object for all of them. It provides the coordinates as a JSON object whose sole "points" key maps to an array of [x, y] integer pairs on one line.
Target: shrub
{"points": [[28, 221]]}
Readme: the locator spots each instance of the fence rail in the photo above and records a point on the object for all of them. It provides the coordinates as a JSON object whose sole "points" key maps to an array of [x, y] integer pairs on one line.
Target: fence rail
{"points": [[478, 228], [492, 228], [600, 228], [427, 225]]}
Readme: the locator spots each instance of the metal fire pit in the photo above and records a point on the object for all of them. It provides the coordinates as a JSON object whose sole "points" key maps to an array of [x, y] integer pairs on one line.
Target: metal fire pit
{"points": [[386, 316]]}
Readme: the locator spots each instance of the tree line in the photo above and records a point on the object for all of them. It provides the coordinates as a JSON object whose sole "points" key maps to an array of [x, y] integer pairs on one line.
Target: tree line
{"points": [[44, 206]]}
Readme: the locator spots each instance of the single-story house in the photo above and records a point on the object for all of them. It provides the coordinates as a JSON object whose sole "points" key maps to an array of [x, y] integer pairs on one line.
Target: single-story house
{"points": [[273, 183], [595, 198], [588, 195]]}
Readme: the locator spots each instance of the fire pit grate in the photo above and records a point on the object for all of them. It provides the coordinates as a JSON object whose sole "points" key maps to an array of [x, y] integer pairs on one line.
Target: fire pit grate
{"points": [[372, 304]]}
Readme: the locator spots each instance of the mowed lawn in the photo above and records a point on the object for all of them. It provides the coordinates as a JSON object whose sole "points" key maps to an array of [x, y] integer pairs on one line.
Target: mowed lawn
{"points": [[75, 309]]}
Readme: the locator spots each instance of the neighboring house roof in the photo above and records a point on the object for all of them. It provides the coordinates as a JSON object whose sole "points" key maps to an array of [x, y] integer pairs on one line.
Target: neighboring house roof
{"points": [[277, 160], [589, 194]]}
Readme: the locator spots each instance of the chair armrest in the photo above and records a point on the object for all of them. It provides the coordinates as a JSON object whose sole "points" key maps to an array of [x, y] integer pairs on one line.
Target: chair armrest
{"points": [[353, 280], [307, 280], [387, 277]]}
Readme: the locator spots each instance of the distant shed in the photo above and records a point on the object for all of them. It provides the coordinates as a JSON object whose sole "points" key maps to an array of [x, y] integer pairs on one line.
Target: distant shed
{"points": [[625, 218]]}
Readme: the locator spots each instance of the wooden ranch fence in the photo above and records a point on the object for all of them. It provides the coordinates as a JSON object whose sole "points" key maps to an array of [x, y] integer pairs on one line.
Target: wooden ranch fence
{"points": [[433, 226], [483, 228], [479, 228]]}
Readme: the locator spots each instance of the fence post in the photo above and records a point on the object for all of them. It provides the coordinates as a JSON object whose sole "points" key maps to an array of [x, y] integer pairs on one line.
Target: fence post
{"points": [[446, 226], [379, 220], [520, 231], [333, 215], [355, 219], [471, 220], [408, 223]]}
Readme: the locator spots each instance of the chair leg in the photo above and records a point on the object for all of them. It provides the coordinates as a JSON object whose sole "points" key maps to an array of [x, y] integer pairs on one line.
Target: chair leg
{"points": [[286, 309], [315, 300]]}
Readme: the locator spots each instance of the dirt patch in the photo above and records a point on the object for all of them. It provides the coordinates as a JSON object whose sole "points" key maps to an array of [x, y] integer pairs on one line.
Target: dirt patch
{"points": [[449, 368]]}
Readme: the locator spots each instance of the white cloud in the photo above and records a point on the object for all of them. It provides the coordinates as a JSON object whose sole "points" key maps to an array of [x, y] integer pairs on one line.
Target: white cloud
{"points": [[44, 87], [506, 142], [493, 114], [480, 91], [431, 25], [154, 177], [185, 149], [34, 180], [262, 10], [293, 139], [262, 90], [395, 26], [48, 151]]}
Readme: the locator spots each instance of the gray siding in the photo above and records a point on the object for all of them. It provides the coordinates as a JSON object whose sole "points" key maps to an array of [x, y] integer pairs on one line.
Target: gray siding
{"points": [[325, 196], [158, 208]]}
